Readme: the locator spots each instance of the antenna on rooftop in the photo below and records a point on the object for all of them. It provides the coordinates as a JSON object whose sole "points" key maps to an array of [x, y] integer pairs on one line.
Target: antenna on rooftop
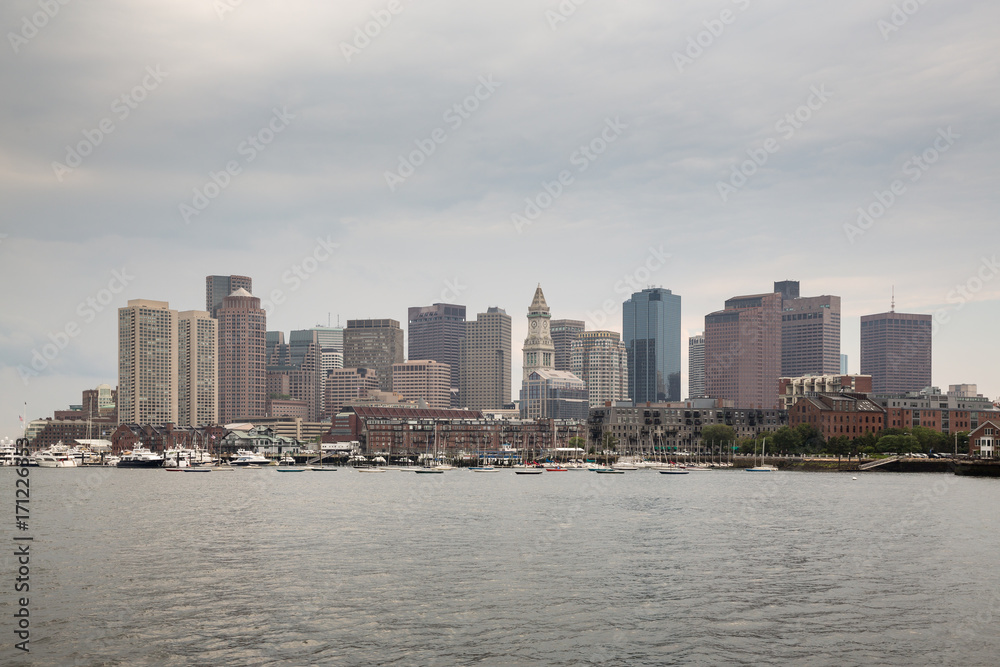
{"points": [[892, 306]]}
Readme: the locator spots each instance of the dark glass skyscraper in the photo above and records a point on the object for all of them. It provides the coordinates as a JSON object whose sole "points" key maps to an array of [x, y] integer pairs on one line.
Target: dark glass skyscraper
{"points": [[434, 333], [651, 326]]}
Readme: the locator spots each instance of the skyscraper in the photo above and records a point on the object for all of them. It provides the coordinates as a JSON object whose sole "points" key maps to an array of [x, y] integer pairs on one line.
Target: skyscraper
{"points": [[198, 368], [810, 332], [374, 344], [218, 288], [564, 332], [484, 356], [743, 351], [600, 360], [696, 366], [651, 322], [295, 369], [896, 351], [434, 333], [242, 357], [147, 363]]}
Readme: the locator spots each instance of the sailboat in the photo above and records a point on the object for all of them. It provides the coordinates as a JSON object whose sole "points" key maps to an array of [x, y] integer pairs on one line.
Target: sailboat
{"points": [[761, 467]]}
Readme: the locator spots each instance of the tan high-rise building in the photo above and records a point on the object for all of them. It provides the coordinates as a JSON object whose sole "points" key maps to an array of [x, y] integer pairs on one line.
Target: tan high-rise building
{"points": [[896, 351], [197, 369], [600, 359], [426, 379], [147, 363], [345, 385], [484, 356], [374, 344], [242, 370], [810, 332], [743, 351]]}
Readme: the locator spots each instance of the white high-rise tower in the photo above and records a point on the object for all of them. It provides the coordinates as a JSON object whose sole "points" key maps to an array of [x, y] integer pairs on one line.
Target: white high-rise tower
{"points": [[539, 350]]}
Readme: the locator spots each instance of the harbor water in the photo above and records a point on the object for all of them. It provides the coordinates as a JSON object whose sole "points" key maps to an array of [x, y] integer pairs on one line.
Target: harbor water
{"points": [[256, 567]]}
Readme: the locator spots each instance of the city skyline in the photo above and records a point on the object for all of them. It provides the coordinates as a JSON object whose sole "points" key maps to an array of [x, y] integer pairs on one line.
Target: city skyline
{"points": [[442, 163], [516, 365]]}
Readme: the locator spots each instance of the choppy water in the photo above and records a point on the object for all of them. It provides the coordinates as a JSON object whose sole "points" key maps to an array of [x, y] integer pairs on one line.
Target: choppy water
{"points": [[253, 567]]}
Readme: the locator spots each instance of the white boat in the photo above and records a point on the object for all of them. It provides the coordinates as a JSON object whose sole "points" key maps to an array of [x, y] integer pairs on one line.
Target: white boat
{"points": [[247, 458], [371, 469], [50, 459], [762, 467]]}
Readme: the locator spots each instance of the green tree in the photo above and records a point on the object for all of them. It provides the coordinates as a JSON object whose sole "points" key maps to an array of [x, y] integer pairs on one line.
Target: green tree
{"points": [[717, 435], [839, 445], [810, 438], [787, 440]]}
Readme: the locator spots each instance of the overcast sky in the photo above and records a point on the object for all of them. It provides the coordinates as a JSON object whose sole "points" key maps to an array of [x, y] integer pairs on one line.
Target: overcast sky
{"points": [[738, 138]]}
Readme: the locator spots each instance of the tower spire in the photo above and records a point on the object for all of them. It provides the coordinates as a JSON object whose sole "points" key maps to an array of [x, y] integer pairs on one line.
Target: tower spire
{"points": [[892, 305]]}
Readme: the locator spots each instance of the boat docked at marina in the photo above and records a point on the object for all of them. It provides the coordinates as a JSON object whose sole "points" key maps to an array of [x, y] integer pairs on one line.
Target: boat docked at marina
{"points": [[246, 458], [140, 457]]}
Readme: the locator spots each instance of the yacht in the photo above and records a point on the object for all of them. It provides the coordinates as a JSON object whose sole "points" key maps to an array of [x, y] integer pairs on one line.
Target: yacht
{"points": [[140, 457], [53, 459], [248, 458]]}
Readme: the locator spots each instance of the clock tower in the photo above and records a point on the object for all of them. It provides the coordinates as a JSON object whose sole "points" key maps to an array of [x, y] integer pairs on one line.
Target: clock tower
{"points": [[539, 350]]}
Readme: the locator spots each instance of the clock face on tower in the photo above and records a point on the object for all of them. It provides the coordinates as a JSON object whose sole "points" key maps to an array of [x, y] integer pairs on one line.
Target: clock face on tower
{"points": [[534, 324]]}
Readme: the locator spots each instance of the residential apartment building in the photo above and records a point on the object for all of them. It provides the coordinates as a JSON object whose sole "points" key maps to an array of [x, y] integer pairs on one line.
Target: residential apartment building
{"points": [[600, 360], [242, 358], [198, 369], [147, 362]]}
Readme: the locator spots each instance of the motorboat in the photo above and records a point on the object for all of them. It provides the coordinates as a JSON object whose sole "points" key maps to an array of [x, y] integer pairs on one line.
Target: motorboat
{"points": [[140, 457], [247, 458], [54, 459]]}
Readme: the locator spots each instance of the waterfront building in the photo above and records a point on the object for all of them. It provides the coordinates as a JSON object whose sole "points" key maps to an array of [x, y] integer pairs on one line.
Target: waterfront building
{"points": [[563, 333], [675, 426], [426, 379], [409, 433], [64, 428], [160, 437], [198, 368], [842, 414], [930, 408], [147, 362], [374, 344], [218, 288], [792, 389], [696, 366], [344, 385], [896, 351], [810, 332], [600, 360], [651, 326], [434, 332], [242, 357], [984, 440], [485, 359], [743, 350]]}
